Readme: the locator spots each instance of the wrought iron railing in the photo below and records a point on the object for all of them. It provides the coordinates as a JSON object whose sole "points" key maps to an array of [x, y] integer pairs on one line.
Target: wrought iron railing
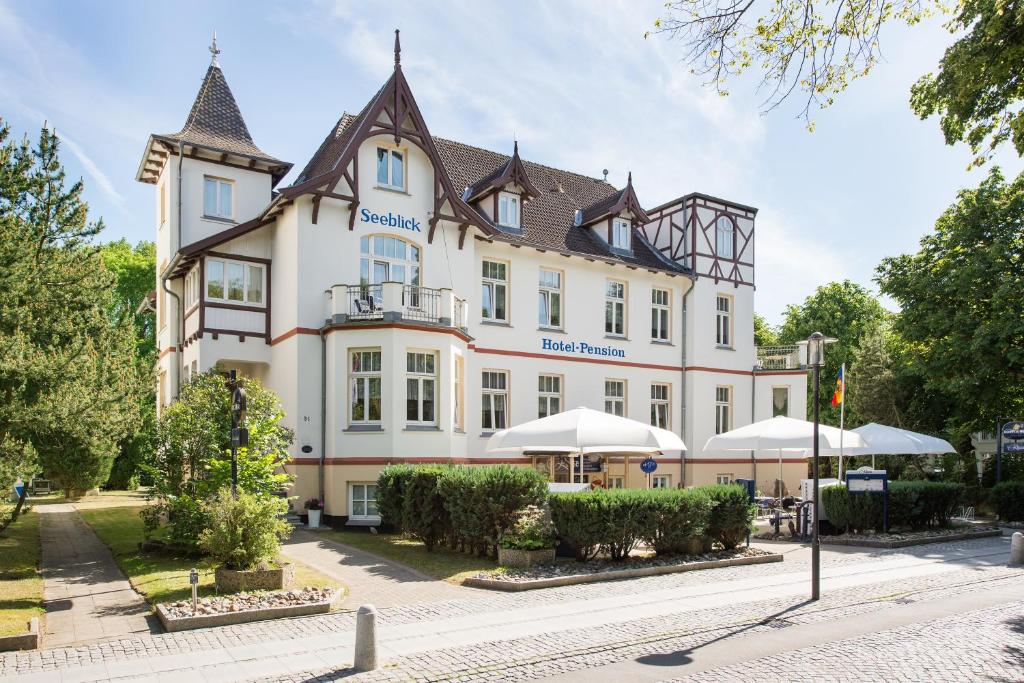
{"points": [[421, 303], [778, 358], [365, 302]]}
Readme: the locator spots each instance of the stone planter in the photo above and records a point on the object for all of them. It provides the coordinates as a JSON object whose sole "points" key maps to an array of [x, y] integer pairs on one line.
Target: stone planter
{"points": [[236, 581], [314, 518], [512, 557]]}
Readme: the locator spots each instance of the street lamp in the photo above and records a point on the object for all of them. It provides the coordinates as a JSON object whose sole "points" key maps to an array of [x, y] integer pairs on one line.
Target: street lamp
{"points": [[816, 358]]}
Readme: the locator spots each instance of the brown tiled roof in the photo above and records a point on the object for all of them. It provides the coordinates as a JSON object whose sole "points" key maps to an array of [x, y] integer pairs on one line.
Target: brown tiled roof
{"points": [[547, 220], [215, 121]]}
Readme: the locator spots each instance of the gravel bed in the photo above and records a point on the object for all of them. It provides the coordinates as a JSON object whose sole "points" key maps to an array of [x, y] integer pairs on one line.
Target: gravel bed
{"points": [[248, 602], [601, 566]]}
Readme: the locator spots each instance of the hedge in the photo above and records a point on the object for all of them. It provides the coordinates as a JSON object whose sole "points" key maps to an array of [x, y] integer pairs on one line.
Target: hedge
{"points": [[577, 518], [1007, 498], [391, 484], [914, 504], [731, 517], [424, 515], [677, 521]]}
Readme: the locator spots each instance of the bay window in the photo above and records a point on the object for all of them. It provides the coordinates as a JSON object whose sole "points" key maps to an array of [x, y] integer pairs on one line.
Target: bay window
{"points": [[234, 281], [420, 388]]}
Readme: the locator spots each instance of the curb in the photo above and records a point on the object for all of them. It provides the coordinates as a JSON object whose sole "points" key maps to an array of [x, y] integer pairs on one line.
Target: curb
{"points": [[172, 624], [889, 545], [22, 641], [516, 586]]}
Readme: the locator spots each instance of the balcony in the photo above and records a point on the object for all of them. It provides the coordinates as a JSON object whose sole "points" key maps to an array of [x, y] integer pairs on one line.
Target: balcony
{"points": [[397, 302], [780, 357]]}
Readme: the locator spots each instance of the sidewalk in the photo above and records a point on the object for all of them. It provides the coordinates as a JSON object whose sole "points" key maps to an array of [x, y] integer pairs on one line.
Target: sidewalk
{"points": [[87, 598]]}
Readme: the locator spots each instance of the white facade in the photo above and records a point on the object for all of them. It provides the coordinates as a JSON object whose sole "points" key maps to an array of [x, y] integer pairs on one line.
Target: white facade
{"points": [[387, 345]]}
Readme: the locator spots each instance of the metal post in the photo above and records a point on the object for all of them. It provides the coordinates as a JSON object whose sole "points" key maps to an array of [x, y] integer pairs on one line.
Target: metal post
{"points": [[999, 449], [815, 548], [234, 440]]}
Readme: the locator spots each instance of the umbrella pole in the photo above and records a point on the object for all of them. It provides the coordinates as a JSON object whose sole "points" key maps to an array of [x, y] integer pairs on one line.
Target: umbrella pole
{"points": [[780, 478]]}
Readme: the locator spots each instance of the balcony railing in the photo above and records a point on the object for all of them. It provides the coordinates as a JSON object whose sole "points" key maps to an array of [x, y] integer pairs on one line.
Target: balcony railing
{"points": [[395, 301], [421, 304], [778, 358], [365, 302]]}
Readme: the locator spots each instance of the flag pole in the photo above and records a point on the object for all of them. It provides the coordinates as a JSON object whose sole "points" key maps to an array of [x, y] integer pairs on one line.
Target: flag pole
{"points": [[842, 416]]}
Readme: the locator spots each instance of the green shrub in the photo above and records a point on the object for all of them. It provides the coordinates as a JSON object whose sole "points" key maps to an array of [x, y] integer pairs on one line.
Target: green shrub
{"points": [[186, 519], [578, 522], [424, 516], [835, 506], [674, 520], [244, 531], [531, 531], [391, 483], [923, 504], [152, 516], [624, 512], [462, 492], [1008, 500], [851, 512], [732, 515]]}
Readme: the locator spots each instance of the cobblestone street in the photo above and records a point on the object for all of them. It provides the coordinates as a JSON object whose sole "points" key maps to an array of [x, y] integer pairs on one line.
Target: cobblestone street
{"points": [[953, 607]]}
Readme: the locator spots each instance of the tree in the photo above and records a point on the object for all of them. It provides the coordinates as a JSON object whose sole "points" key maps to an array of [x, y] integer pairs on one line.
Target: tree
{"points": [[877, 395], [764, 334], [962, 310], [65, 367], [843, 310], [980, 84]]}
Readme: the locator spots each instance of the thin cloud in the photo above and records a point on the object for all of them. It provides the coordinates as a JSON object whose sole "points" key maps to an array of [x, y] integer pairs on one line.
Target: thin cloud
{"points": [[94, 171]]}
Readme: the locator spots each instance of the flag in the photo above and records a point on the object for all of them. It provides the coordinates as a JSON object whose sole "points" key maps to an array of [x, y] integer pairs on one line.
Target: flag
{"points": [[840, 392]]}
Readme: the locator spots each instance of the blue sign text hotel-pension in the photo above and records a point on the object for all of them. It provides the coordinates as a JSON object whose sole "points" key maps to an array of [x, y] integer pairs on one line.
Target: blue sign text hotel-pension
{"points": [[548, 344]]}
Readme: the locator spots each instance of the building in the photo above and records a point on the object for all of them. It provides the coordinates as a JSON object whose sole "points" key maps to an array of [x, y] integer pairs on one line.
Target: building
{"points": [[407, 295]]}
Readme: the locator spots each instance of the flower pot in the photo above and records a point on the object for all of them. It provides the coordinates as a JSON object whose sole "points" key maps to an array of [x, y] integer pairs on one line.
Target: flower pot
{"points": [[314, 518], [272, 578], [513, 557]]}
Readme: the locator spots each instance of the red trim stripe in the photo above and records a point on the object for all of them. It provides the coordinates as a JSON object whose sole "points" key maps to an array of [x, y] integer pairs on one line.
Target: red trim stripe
{"points": [[168, 350]]}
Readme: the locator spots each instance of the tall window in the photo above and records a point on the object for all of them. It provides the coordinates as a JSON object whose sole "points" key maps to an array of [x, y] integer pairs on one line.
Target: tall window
{"points": [[550, 298], [661, 481], [366, 383], [620, 233], [615, 397], [549, 395], [723, 409], [494, 400], [217, 197], [659, 314], [659, 405], [508, 210], [460, 393], [420, 388], [495, 284], [363, 501], [725, 237], [234, 281], [780, 401], [390, 168], [388, 259], [723, 320], [615, 308], [723, 478]]}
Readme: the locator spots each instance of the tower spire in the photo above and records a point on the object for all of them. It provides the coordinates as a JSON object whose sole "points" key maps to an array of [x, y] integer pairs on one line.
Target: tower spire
{"points": [[398, 51], [214, 50]]}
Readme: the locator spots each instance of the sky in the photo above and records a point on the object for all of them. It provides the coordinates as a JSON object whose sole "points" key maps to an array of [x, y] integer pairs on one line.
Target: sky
{"points": [[575, 81]]}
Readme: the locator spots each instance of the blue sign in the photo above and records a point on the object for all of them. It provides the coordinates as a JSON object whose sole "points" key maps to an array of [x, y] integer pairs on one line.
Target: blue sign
{"points": [[1015, 447], [591, 463], [648, 465], [582, 348], [871, 481], [391, 220], [19, 486], [1013, 431]]}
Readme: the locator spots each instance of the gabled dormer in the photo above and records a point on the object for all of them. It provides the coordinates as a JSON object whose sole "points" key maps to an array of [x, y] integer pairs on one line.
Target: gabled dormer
{"points": [[614, 219], [500, 194]]}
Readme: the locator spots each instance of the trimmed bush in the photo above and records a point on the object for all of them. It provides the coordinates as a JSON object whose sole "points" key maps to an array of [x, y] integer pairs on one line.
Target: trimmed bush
{"points": [[424, 515], [391, 483], [914, 504], [624, 512], [851, 512], [579, 522], [674, 521], [1008, 500], [731, 517], [186, 519], [244, 531]]}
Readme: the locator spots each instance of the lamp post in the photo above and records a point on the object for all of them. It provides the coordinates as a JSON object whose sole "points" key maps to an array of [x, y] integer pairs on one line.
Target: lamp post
{"points": [[815, 358], [239, 434]]}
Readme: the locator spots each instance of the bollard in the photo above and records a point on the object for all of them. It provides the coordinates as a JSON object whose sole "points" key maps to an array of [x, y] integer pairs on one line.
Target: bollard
{"points": [[1017, 549], [366, 639]]}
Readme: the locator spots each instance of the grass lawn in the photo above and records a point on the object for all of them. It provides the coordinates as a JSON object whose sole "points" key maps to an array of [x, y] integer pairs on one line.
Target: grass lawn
{"points": [[442, 563], [21, 586], [164, 577]]}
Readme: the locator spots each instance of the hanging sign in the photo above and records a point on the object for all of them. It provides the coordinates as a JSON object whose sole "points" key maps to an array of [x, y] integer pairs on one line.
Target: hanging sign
{"points": [[1014, 431], [591, 463], [648, 465]]}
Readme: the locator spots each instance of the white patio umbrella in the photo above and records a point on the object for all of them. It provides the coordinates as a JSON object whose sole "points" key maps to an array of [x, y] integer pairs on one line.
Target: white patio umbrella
{"points": [[583, 430], [886, 440], [782, 434]]}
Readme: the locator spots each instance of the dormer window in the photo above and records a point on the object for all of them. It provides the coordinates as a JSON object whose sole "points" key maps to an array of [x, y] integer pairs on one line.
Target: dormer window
{"points": [[620, 234], [508, 210], [390, 169]]}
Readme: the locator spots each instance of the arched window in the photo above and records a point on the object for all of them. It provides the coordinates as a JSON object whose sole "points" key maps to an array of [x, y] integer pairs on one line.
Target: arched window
{"points": [[726, 238], [383, 258]]}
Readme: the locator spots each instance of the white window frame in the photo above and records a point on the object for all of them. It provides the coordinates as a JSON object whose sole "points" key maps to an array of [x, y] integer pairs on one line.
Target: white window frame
{"points": [[422, 374], [661, 481], [549, 290], [661, 316], [723, 320], [723, 409], [549, 395], [613, 397], [459, 392], [616, 482], [489, 397], [219, 211], [622, 234], [615, 294], [724, 478], [510, 210], [248, 278], [411, 264], [785, 388], [391, 153], [365, 500], [725, 237], [364, 377], [494, 285], [663, 402]]}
